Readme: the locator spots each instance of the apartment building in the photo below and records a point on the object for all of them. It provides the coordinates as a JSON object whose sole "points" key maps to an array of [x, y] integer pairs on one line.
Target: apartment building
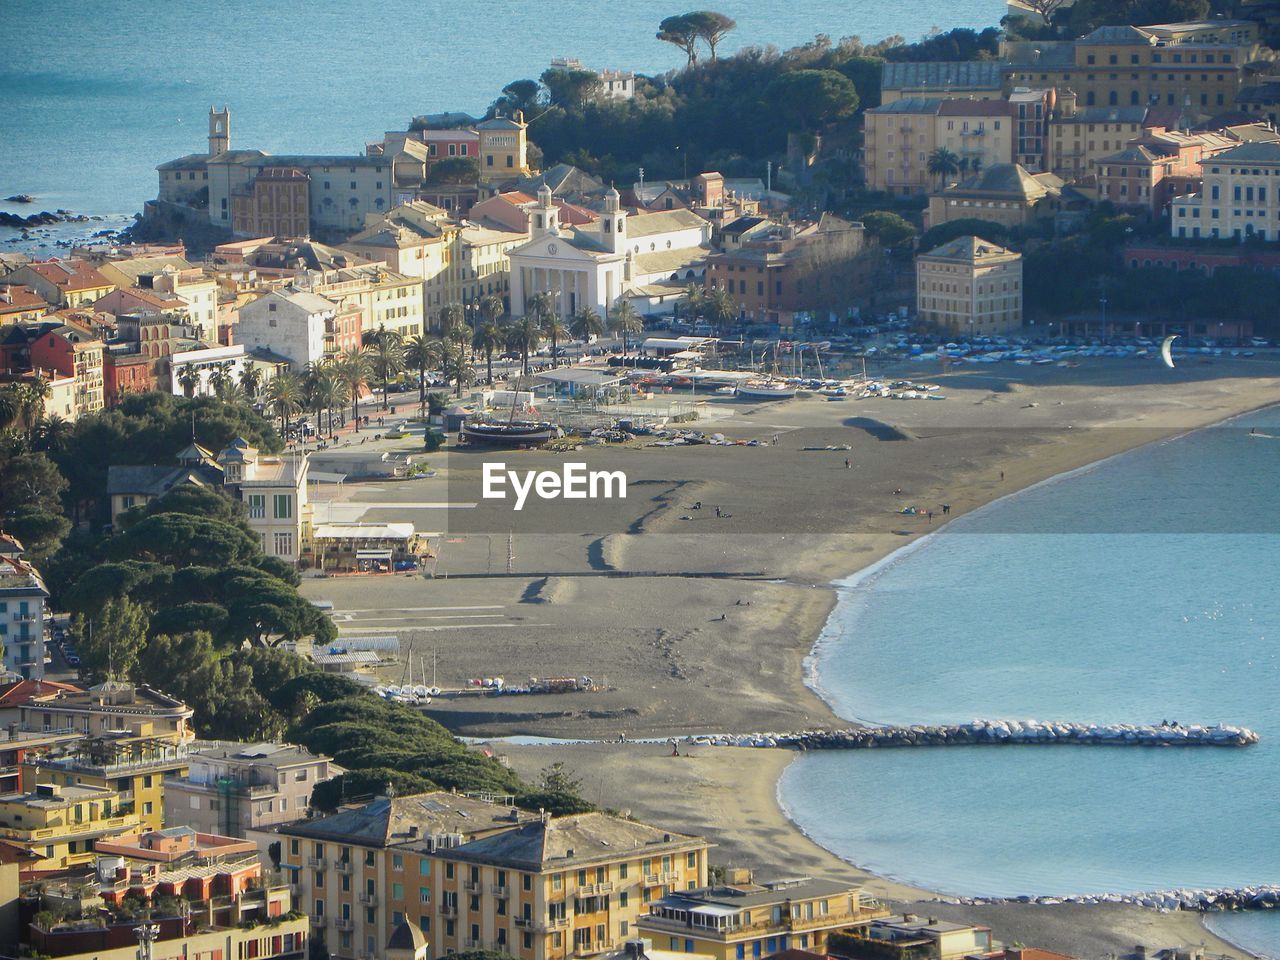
{"points": [[108, 709], [1239, 196], [132, 765], [287, 322], [743, 919], [77, 354], [63, 283], [1154, 169], [970, 286], [22, 598], [1197, 66], [232, 788], [908, 935], [60, 824], [900, 138], [470, 874]]}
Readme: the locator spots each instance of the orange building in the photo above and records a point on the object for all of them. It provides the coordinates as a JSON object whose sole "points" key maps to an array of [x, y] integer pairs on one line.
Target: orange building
{"points": [[275, 203]]}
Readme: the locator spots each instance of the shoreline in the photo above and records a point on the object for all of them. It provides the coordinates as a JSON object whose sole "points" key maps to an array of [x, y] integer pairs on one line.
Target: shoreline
{"points": [[970, 490]]}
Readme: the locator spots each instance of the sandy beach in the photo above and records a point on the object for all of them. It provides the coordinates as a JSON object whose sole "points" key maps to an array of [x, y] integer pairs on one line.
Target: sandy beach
{"points": [[701, 623]]}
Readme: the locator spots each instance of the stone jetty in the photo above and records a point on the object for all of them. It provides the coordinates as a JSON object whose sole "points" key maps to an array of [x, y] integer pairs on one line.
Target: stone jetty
{"points": [[978, 732], [1211, 900]]}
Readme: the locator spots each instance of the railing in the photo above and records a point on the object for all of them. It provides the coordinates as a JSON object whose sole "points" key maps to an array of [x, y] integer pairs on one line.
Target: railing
{"points": [[318, 921], [342, 866], [499, 890], [316, 863], [595, 889], [448, 909], [471, 944], [660, 879], [869, 911], [343, 923], [369, 899], [471, 886], [542, 924]]}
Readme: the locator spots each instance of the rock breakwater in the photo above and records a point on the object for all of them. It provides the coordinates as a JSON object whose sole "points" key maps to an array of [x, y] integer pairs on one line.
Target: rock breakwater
{"points": [[1212, 900], [982, 732]]}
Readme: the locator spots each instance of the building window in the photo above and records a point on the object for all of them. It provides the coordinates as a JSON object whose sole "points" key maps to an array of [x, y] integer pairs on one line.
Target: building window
{"points": [[283, 506], [284, 544], [257, 506]]}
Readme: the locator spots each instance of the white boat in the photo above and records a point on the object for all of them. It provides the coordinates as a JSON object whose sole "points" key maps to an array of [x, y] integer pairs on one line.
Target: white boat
{"points": [[766, 388]]}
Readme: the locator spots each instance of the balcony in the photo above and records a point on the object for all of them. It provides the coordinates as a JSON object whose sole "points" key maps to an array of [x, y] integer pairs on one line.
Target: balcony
{"points": [[542, 924], [26, 617], [500, 890], [316, 863], [472, 886], [343, 866], [318, 921], [598, 889], [473, 944], [369, 899], [591, 949], [661, 879], [448, 909], [343, 923]]}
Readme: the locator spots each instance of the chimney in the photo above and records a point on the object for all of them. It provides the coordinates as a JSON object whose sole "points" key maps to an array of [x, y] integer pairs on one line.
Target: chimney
{"points": [[413, 831]]}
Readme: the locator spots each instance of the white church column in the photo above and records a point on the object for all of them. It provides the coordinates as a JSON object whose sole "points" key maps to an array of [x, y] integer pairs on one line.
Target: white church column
{"points": [[517, 292]]}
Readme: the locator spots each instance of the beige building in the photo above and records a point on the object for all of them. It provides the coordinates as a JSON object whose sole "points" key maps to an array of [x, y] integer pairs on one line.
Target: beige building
{"points": [[1239, 196], [504, 148], [274, 492], [1004, 193], [743, 920], [970, 286], [387, 300], [60, 824], [472, 874], [1078, 138], [907, 935], [901, 136], [108, 708], [232, 788]]}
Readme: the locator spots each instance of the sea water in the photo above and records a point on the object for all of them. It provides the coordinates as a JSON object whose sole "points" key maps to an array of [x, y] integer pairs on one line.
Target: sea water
{"points": [[1139, 590], [90, 102]]}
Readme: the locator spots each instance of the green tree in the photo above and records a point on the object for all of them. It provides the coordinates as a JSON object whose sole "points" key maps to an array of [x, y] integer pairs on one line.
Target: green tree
{"points": [[989, 230], [189, 380], [942, 164], [421, 354], [180, 539], [250, 381], [354, 369], [586, 323], [386, 350], [518, 95], [489, 337], [808, 100], [571, 89], [711, 28], [110, 640], [524, 335], [890, 229], [454, 170], [681, 31], [721, 309], [624, 321]]}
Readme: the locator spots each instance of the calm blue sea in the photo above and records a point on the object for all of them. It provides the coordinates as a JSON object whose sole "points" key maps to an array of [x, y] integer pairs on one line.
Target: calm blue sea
{"points": [[1134, 591], [92, 98]]}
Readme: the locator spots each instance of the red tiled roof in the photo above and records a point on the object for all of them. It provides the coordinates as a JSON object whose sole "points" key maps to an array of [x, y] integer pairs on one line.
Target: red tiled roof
{"points": [[19, 299], [70, 274], [24, 691]]}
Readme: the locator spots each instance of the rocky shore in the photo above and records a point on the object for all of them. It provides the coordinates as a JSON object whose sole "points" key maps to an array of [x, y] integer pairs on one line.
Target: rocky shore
{"points": [[980, 732]]}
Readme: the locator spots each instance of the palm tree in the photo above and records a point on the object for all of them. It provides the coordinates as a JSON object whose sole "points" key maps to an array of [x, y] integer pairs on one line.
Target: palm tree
{"points": [[251, 381], [586, 323], [10, 407], [284, 395], [624, 320], [694, 296], [942, 164], [353, 369], [325, 391], [488, 338], [52, 434], [421, 354], [189, 380], [221, 379], [387, 355], [524, 335], [721, 308], [456, 364], [31, 398], [452, 317], [491, 308]]}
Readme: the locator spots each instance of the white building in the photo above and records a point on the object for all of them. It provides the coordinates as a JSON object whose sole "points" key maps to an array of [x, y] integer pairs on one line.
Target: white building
{"points": [[274, 491], [22, 597], [206, 360], [288, 323], [1239, 196], [594, 264]]}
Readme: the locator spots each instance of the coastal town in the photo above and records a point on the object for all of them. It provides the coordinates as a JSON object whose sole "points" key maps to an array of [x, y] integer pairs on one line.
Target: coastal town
{"points": [[435, 550]]}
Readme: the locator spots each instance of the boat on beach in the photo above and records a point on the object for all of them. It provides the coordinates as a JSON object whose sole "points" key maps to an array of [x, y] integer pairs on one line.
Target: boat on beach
{"points": [[766, 388], [513, 433]]}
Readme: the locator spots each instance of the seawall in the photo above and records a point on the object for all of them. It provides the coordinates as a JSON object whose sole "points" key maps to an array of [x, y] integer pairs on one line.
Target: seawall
{"points": [[997, 732]]}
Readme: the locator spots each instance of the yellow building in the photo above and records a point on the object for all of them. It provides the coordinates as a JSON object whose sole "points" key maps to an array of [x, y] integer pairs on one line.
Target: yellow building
{"points": [[970, 286], [900, 138], [473, 874], [1195, 66], [746, 921], [133, 766], [387, 300], [504, 148], [60, 824], [107, 709], [1079, 138], [1239, 198]]}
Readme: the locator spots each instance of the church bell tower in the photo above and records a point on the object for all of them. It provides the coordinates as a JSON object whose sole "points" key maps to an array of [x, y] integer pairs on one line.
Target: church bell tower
{"points": [[219, 131]]}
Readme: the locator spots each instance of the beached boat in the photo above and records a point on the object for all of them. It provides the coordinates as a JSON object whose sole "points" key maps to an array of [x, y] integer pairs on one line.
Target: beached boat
{"points": [[766, 388], [513, 433]]}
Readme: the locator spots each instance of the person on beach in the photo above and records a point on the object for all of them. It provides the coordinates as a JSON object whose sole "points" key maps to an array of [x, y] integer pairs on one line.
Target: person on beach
{"points": [[946, 509], [846, 463]]}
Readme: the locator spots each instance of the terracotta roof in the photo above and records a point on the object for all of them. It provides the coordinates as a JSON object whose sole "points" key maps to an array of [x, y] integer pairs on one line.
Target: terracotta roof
{"points": [[18, 299], [23, 691], [70, 274]]}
